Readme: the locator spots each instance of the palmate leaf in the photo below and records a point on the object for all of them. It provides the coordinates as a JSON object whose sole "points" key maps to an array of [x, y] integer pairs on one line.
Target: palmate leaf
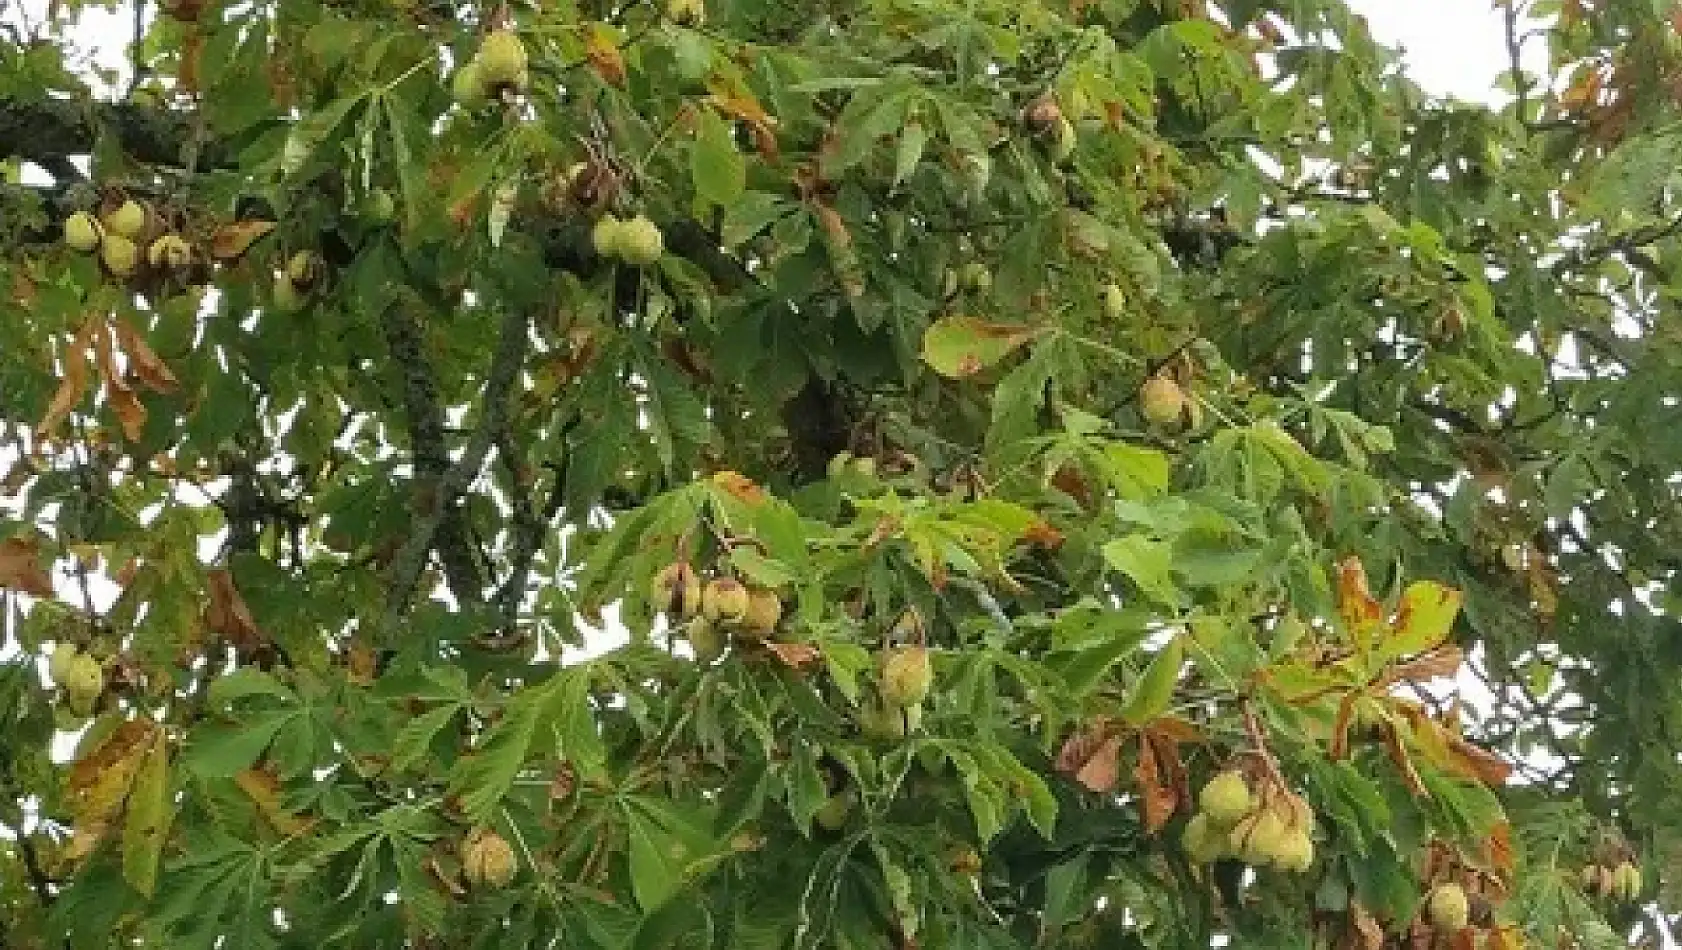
{"points": [[551, 720]]}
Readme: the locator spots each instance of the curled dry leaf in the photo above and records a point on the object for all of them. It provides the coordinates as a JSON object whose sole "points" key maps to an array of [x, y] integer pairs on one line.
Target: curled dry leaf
{"points": [[144, 363], [74, 384], [1154, 781], [1091, 757], [232, 240]]}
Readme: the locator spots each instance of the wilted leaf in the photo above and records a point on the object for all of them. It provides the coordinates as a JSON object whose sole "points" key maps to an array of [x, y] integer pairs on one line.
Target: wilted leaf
{"points": [[1157, 799], [232, 240], [74, 384], [963, 346], [793, 655], [1092, 757], [20, 567], [145, 364], [227, 613]]}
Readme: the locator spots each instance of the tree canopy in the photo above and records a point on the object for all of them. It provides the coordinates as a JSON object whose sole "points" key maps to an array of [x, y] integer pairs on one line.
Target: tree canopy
{"points": [[838, 473]]}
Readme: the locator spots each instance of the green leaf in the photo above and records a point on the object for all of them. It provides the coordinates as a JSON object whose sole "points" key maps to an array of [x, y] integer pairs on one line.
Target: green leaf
{"points": [[219, 750], [1155, 689], [1148, 563], [716, 165]]}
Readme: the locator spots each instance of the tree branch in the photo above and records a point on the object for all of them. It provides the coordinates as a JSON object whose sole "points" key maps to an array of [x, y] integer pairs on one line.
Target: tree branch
{"points": [[48, 131], [440, 484]]}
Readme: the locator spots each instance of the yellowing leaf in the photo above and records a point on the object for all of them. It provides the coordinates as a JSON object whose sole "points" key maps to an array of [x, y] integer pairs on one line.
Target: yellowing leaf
{"points": [[963, 346], [1362, 614], [263, 789], [99, 782], [147, 816], [1423, 621]]}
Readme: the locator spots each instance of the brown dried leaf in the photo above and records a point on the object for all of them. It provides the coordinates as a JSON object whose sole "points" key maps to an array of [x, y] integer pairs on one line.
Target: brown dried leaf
{"points": [[74, 385], [227, 613], [20, 567], [794, 655], [232, 240], [1156, 795], [144, 362], [1091, 757], [131, 414]]}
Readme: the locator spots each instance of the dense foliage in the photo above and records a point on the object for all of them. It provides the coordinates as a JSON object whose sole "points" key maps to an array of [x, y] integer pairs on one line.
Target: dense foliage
{"points": [[1072, 473]]}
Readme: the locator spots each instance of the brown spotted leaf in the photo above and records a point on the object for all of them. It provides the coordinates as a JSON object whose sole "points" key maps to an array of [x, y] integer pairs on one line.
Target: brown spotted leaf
{"points": [[959, 346], [261, 786], [602, 51]]}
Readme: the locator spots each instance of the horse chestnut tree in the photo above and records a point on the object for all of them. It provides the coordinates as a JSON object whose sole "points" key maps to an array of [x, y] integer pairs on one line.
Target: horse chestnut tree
{"points": [[860, 474]]}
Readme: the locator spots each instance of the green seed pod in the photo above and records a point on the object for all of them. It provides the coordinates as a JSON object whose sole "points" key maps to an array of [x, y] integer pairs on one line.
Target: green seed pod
{"points": [[706, 639], [907, 676], [1226, 798], [725, 600], [1448, 907], [127, 221], [502, 57], [1202, 841], [81, 232]]}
